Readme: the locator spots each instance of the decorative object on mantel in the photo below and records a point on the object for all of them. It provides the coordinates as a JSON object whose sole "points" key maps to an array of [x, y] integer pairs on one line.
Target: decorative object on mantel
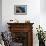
{"points": [[41, 36], [14, 21], [27, 21], [11, 20]]}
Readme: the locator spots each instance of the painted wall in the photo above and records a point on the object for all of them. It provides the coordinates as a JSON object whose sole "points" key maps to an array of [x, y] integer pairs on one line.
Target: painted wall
{"points": [[43, 14], [33, 14], [0, 15], [33, 11], [43, 6]]}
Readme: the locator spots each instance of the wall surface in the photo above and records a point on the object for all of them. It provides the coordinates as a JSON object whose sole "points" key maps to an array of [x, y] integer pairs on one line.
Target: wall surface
{"points": [[0, 15], [43, 14], [33, 14], [43, 6], [33, 11]]}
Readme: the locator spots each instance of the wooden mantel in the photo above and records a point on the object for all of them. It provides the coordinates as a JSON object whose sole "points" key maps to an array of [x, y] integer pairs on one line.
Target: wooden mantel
{"points": [[23, 27]]}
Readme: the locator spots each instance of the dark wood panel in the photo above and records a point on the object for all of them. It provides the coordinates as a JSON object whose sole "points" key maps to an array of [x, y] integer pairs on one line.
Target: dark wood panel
{"points": [[22, 27]]}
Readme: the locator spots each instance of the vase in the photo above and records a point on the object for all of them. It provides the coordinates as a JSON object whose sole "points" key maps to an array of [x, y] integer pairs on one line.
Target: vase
{"points": [[41, 43]]}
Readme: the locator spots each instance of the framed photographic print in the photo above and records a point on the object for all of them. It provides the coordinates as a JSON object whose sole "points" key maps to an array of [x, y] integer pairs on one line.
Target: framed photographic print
{"points": [[20, 9]]}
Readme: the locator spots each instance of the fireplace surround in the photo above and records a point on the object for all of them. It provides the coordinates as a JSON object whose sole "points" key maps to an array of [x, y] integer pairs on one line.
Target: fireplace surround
{"points": [[22, 33]]}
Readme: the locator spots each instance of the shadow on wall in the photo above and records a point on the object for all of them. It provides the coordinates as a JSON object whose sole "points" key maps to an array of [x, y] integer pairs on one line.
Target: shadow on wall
{"points": [[0, 15], [43, 6]]}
